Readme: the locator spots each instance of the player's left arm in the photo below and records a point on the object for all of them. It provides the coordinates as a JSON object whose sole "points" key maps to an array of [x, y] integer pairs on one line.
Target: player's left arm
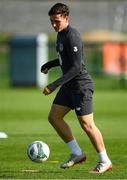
{"points": [[74, 51]]}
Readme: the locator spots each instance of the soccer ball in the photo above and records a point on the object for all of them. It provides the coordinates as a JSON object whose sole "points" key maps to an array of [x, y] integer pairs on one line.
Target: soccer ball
{"points": [[38, 151]]}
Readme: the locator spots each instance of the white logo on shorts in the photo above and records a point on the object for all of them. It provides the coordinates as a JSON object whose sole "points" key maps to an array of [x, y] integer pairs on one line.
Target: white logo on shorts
{"points": [[78, 108]]}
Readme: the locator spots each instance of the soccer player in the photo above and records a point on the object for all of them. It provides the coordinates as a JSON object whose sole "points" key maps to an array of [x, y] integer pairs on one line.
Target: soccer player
{"points": [[76, 90]]}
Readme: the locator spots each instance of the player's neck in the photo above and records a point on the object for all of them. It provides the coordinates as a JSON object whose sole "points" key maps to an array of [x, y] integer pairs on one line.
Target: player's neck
{"points": [[65, 28]]}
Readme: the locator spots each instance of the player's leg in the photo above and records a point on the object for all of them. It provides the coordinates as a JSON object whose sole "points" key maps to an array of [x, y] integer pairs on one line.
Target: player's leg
{"points": [[84, 112], [56, 118], [61, 106], [88, 125]]}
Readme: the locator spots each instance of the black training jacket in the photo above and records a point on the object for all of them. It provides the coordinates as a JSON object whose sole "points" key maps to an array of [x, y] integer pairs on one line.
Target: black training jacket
{"points": [[69, 47]]}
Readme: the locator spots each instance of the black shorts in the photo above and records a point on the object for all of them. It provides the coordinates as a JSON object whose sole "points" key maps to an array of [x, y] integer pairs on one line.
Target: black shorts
{"points": [[80, 101]]}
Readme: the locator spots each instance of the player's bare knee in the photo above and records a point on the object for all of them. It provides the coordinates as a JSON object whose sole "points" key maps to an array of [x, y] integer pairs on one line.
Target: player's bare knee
{"points": [[88, 128], [51, 118], [87, 122], [87, 125]]}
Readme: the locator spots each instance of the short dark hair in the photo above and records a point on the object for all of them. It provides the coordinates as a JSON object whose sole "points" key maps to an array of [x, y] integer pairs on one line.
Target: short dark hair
{"points": [[59, 8]]}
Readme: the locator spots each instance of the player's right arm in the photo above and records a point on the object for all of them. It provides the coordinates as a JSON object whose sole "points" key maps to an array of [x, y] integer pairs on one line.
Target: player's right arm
{"points": [[45, 67]]}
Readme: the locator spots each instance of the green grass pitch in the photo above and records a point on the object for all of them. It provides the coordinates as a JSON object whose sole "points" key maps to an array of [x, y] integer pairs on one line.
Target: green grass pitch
{"points": [[23, 116]]}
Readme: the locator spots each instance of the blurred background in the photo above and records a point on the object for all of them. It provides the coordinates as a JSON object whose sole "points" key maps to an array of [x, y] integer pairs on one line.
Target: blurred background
{"points": [[103, 27], [27, 40]]}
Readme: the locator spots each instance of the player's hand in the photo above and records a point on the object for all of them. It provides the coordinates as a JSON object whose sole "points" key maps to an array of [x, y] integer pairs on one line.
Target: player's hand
{"points": [[46, 91], [45, 71], [44, 68]]}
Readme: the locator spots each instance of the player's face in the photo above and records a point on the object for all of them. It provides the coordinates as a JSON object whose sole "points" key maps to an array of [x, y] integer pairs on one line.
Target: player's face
{"points": [[59, 22]]}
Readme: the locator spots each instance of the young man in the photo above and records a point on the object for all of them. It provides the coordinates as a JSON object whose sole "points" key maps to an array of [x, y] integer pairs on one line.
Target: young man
{"points": [[75, 92]]}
